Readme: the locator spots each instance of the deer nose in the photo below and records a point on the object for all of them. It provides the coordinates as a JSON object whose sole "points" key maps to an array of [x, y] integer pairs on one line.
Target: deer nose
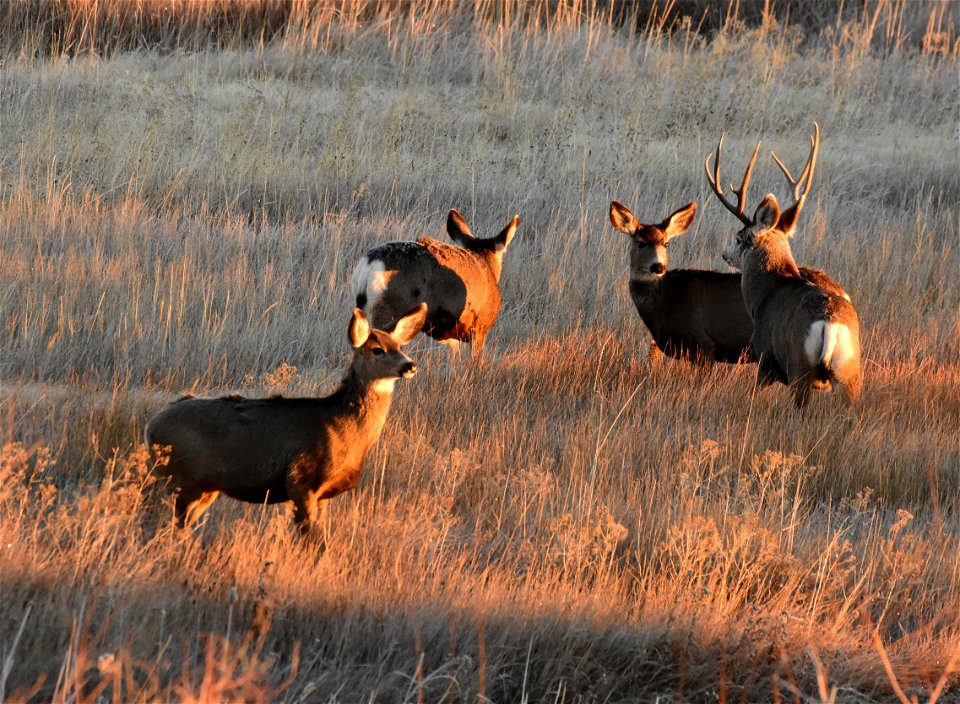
{"points": [[408, 370], [658, 268]]}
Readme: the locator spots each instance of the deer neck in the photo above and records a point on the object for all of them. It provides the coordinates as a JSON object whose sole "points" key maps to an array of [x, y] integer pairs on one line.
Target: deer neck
{"points": [[647, 295], [765, 267], [494, 260], [365, 404]]}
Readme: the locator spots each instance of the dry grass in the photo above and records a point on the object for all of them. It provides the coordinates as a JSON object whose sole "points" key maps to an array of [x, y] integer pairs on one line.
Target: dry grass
{"points": [[562, 521]]}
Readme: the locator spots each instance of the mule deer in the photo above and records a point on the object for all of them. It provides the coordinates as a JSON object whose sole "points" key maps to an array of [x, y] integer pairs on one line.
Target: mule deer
{"points": [[459, 284], [804, 335], [271, 450], [689, 312]]}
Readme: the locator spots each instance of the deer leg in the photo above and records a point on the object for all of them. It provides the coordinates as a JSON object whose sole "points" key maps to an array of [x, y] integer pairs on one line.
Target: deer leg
{"points": [[190, 504], [800, 388], [309, 517], [656, 354], [477, 340], [304, 513], [768, 372], [850, 386], [322, 521]]}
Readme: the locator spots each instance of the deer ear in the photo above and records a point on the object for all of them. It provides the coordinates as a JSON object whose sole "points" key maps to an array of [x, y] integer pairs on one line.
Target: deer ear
{"points": [[622, 218], [680, 221], [359, 329], [768, 212], [787, 223], [458, 229], [502, 241], [409, 325]]}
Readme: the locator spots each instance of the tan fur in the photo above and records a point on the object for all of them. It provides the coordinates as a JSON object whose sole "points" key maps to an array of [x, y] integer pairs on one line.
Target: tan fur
{"points": [[304, 450], [689, 312], [459, 283], [785, 308], [806, 333]]}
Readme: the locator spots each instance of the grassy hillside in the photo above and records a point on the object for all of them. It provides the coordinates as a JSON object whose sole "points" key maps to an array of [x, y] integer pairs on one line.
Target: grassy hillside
{"points": [[184, 189]]}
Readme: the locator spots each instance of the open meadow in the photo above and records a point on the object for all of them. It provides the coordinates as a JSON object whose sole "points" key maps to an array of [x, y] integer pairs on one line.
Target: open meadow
{"points": [[184, 191]]}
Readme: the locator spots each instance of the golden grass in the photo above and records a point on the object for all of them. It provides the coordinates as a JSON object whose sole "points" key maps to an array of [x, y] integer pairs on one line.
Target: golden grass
{"points": [[563, 520]]}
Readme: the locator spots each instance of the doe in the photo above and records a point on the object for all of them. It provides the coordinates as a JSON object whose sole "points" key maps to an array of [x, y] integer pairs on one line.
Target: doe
{"points": [[272, 450], [460, 284], [689, 312]]}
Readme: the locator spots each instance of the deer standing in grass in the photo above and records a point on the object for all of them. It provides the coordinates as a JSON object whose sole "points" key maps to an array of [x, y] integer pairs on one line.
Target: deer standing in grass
{"points": [[689, 312], [271, 450], [804, 335], [459, 284]]}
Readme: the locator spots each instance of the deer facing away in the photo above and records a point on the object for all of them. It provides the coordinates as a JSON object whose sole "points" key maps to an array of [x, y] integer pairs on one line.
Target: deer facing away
{"points": [[459, 283], [805, 335], [689, 312], [304, 450]]}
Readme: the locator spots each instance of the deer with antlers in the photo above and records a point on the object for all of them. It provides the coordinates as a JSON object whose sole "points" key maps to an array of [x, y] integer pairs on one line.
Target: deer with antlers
{"points": [[692, 313], [805, 335]]}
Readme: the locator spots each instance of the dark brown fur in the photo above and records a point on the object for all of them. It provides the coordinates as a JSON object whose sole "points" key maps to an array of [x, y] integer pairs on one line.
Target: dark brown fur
{"points": [[691, 313], [459, 283], [786, 310], [304, 450]]}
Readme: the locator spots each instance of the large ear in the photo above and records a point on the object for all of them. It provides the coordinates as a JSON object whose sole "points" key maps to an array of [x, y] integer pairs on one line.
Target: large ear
{"points": [[622, 218], [359, 329], [458, 229], [502, 241], [787, 222], [409, 325], [768, 212], [680, 221]]}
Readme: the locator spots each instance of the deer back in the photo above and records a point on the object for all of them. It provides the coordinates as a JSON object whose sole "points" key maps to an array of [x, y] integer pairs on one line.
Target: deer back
{"points": [[688, 312], [694, 310], [252, 449], [458, 282]]}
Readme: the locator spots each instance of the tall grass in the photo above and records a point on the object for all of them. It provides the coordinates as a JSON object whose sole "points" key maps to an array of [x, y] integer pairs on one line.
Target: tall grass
{"points": [[45, 28], [182, 199]]}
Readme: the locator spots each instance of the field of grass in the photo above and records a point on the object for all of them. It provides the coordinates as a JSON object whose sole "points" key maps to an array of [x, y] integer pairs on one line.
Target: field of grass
{"points": [[182, 199]]}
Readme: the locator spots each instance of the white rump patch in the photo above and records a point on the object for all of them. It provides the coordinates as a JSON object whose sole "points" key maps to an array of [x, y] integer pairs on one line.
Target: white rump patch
{"points": [[383, 386], [844, 351], [814, 343], [370, 278], [828, 343]]}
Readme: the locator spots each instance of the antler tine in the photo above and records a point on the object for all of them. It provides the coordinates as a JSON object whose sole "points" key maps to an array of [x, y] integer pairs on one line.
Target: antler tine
{"points": [[786, 172], [812, 160], [801, 185], [806, 177], [746, 179], [715, 181]]}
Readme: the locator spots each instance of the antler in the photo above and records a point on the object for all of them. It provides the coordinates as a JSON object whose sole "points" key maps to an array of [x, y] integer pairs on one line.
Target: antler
{"points": [[714, 180], [788, 218]]}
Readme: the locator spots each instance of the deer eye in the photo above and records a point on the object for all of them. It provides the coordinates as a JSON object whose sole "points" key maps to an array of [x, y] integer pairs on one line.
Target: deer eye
{"points": [[377, 351], [642, 245]]}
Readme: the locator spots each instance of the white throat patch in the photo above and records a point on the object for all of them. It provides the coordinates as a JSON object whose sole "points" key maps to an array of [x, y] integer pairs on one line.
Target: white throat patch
{"points": [[384, 387]]}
